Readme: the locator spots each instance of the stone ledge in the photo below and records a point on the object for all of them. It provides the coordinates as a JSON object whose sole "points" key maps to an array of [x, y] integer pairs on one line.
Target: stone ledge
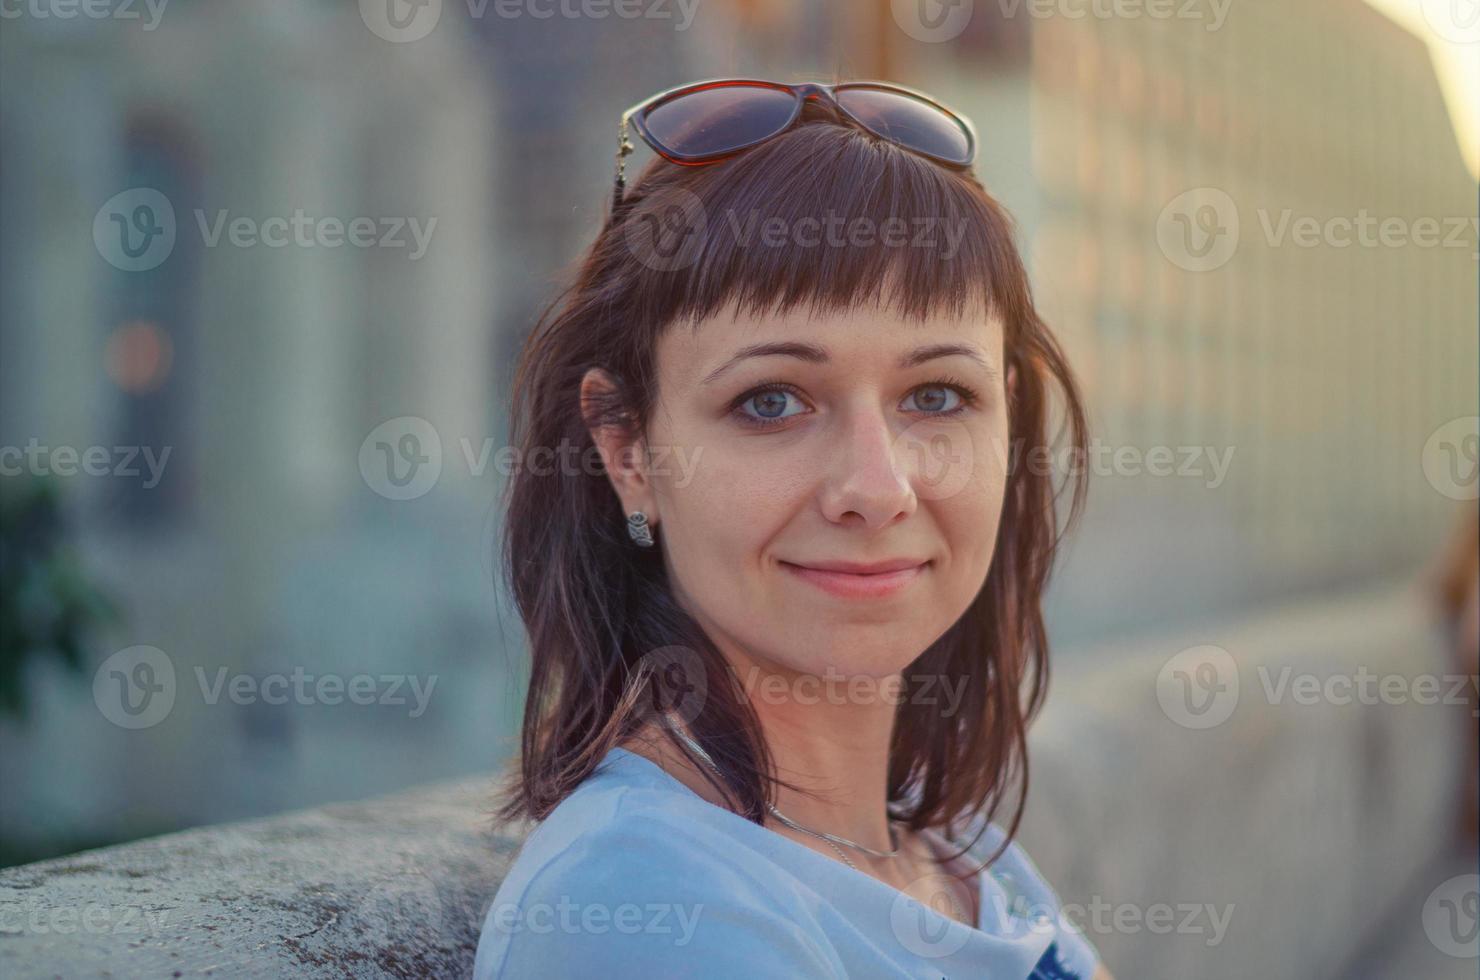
{"points": [[1310, 821]]}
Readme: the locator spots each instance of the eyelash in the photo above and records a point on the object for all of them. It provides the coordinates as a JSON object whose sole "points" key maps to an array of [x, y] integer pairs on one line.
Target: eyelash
{"points": [[969, 399]]}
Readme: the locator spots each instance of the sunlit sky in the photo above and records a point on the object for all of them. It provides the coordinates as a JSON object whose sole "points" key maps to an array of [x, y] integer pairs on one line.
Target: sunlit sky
{"points": [[1452, 30]]}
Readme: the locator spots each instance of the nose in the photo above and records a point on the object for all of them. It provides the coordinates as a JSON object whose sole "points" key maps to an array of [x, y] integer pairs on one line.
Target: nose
{"points": [[867, 478]]}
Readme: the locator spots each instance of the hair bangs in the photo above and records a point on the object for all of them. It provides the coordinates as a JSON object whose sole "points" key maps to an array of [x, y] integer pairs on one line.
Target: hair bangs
{"points": [[824, 216]]}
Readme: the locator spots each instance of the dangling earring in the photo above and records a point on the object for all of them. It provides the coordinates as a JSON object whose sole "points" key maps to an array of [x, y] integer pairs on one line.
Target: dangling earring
{"points": [[638, 530]]}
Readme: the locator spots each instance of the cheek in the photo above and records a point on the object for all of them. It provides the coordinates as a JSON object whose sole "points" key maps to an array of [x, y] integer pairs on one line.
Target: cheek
{"points": [[971, 518], [722, 511]]}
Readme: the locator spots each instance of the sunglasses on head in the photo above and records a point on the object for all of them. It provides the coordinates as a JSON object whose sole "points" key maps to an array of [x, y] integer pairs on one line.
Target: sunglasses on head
{"points": [[706, 122]]}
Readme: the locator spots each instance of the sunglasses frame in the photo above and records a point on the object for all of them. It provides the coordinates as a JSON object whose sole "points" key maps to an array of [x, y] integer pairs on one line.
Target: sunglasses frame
{"points": [[636, 117]]}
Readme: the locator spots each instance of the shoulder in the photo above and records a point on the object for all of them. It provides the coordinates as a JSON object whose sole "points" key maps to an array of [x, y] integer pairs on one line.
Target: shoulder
{"points": [[628, 882]]}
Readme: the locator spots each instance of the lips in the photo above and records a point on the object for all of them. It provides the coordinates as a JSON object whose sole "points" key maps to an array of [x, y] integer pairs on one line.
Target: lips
{"points": [[860, 580]]}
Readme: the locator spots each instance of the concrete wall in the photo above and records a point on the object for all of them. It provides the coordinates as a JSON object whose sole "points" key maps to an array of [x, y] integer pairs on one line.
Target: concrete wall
{"points": [[1305, 826]]}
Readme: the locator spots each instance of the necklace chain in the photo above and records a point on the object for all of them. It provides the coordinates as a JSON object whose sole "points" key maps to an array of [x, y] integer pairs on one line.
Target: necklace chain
{"points": [[832, 839]]}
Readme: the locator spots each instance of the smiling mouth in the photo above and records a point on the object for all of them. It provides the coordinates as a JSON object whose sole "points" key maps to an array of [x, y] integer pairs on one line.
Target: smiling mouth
{"points": [[878, 581]]}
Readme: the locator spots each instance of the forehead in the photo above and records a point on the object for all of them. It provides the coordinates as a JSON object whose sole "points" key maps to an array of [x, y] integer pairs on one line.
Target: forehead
{"points": [[859, 338]]}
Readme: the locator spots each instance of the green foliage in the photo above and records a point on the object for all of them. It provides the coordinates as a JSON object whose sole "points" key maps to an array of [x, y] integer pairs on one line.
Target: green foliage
{"points": [[47, 606]]}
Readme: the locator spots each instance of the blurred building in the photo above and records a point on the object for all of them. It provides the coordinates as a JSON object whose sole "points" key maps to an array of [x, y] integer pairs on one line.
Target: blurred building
{"points": [[1323, 369], [260, 370], [265, 371]]}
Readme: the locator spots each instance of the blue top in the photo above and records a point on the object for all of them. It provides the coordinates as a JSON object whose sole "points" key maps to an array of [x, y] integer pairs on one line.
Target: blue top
{"points": [[636, 875]]}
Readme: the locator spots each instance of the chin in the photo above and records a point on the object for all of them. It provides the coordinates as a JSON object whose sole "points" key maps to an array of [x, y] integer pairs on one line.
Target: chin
{"points": [[860, 653]]}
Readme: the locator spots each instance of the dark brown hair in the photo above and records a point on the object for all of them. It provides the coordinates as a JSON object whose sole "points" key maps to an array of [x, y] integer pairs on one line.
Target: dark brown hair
{"points": [[594, 604]]}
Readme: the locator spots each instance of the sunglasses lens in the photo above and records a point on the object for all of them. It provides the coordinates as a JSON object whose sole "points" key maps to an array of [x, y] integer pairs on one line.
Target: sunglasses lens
{"points": [[910, 121], [717, 120]]}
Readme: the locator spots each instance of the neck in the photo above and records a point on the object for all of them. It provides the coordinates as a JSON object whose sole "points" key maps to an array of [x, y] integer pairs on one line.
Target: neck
{"points": [[833, 743]]}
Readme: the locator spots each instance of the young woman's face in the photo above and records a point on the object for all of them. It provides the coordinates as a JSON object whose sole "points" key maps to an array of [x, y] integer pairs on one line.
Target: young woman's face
{"points": [[782, 445]]}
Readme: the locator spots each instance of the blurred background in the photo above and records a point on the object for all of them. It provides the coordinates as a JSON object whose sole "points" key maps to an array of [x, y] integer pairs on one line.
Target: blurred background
{"points": [[266, 266]]}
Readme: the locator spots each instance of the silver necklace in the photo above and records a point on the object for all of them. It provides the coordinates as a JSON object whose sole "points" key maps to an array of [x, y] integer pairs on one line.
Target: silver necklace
{"points": [[831, 839]]}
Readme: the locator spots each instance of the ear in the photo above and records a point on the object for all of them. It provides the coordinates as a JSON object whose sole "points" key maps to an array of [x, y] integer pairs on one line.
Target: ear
{"points": [[622, 448]]}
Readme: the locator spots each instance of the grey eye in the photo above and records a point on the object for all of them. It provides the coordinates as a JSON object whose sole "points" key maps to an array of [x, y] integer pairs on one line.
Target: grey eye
{"points": [[938, 394], [769, 404]]}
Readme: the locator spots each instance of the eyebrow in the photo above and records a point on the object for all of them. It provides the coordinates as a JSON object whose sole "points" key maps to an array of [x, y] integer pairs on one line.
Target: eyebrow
{"points": [[813, 354]]}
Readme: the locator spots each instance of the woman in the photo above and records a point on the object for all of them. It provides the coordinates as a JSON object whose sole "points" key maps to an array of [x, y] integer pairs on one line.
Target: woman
{"points": [[784, 615]]}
